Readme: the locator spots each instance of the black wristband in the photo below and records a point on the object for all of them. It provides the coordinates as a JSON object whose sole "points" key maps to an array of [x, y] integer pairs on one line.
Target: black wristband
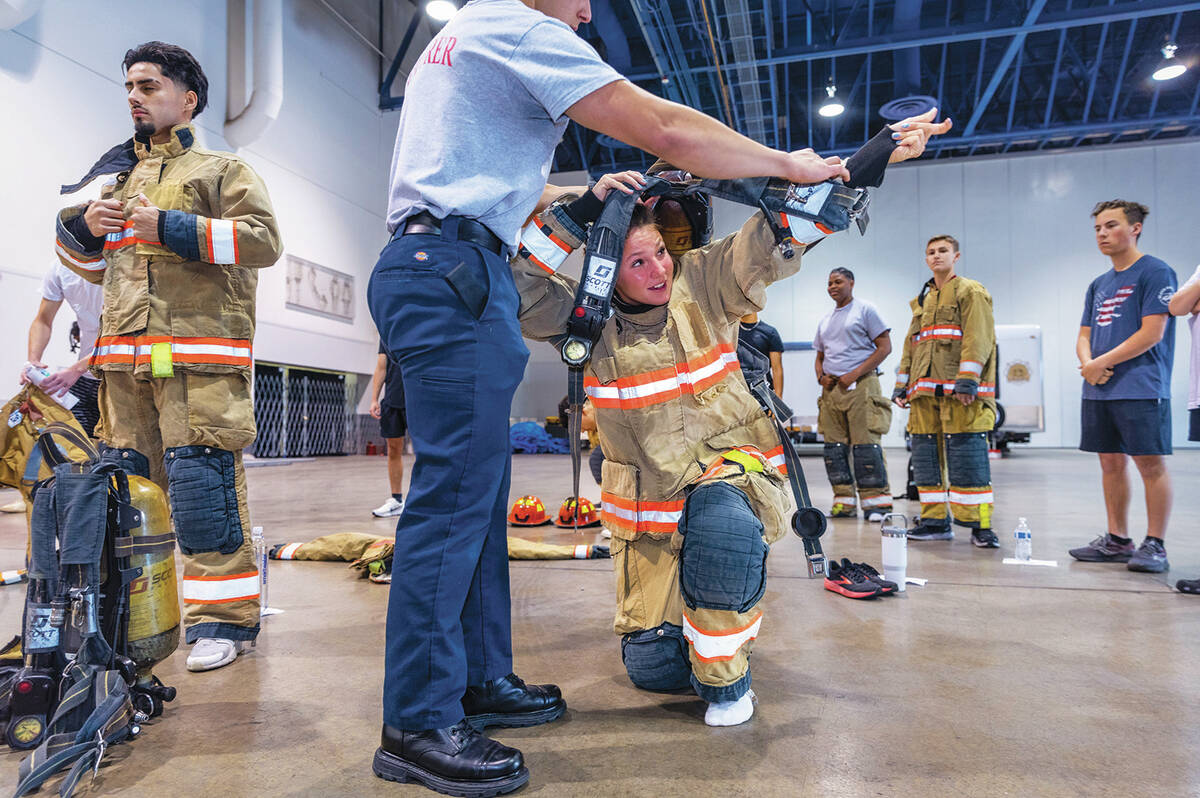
{"points": [[162, 227], [586, 209], [77, 227], [869, 163]]}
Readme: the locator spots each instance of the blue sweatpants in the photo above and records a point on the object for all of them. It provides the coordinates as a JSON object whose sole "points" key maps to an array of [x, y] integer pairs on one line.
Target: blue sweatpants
{"points": [[448, 623]]}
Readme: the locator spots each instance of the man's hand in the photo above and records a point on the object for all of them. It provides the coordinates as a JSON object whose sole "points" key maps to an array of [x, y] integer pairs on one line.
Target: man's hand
{"points": [[827, 381], [23, 378], [847, 380], [1095, 372], [376, 409], [913, 133], [898, 397], [104, 216], [144, 218], [626, 182], [60, 382], [805, 167], [964, 398]]}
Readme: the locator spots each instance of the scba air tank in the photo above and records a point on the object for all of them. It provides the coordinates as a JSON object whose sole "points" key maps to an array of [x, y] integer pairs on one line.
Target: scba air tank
{"points": [[153, 596]]}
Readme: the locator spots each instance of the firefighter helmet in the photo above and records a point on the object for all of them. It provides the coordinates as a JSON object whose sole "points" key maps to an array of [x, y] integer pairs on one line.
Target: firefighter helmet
{"points": [[588, 515], [528, 511]]}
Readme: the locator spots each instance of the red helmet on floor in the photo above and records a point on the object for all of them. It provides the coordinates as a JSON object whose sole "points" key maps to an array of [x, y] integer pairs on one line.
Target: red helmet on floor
{"points": [[528, 511], [588, 514]]}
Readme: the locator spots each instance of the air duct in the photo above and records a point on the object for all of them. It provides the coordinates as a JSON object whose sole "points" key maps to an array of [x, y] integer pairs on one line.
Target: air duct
{"points": [[906, 67], [247, 116], [14, 12]]}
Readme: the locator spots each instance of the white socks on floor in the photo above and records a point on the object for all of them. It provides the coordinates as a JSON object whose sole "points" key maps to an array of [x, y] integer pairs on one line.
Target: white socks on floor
{"points": [[730, 713]]}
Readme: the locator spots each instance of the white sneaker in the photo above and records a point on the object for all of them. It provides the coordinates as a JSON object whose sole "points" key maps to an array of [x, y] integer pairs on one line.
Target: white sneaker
{"points": [[875, 516], [730, 713], [389, 509], [213, 652], [606, 533]]}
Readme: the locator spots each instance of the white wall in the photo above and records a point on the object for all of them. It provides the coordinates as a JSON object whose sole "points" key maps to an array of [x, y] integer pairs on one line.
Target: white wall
{"points": [[1026, 234], [324, 161]]}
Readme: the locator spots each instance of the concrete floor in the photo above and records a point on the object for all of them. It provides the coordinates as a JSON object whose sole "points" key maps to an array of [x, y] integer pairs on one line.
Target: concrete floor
{"points": [[990, 680]]}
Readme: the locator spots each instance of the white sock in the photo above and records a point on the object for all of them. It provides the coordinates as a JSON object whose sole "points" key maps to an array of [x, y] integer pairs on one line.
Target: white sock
{"points": [[730, 713]]}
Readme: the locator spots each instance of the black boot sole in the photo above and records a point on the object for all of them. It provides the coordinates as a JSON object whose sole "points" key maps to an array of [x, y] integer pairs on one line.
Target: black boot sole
{"points": [[393, 768], [515, 720]]}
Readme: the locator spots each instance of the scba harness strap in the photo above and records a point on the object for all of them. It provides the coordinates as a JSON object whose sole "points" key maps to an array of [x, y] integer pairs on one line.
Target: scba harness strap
{"points": [[825, 208]]}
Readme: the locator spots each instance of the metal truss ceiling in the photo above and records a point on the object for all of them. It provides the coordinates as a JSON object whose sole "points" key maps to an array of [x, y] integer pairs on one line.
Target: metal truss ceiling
{"points": [[1016, 75]]}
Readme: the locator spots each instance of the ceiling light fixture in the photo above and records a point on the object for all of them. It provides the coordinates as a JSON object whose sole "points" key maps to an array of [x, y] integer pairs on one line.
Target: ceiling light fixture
{"points": [[441, 10], [831, 107], [1169, 68]]}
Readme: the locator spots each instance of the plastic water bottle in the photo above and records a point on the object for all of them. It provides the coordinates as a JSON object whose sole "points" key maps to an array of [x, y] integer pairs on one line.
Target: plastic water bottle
{"points": [[259, 544], [1024, 541], [895, 549]]}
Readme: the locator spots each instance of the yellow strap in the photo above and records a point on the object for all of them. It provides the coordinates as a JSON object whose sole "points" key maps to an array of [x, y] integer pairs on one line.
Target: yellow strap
{"points": [[160, 360], [748, 462]]}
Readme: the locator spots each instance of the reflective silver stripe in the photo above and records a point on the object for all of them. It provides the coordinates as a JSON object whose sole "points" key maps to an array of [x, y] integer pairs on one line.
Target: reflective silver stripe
{"points": [[542, 247]]}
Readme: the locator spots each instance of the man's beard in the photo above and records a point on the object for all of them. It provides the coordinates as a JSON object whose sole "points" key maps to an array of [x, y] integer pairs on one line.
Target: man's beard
{"points": [[144, 127]]}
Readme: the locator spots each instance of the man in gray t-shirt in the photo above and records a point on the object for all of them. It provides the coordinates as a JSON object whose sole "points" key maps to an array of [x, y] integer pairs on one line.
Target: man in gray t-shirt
{"points": [[484, 107], [851, 342]]}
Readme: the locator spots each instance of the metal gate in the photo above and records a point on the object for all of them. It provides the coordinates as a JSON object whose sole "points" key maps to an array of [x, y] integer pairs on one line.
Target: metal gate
{"points": [[305, 412]]}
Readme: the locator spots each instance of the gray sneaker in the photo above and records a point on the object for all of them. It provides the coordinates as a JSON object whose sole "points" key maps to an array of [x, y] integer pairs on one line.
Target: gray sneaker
{"points": [[1151, 557], [1104, 549]]}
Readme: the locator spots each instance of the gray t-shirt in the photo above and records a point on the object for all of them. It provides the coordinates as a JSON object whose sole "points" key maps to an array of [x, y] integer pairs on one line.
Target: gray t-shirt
{"points": [[484, 108], [847, 336]]}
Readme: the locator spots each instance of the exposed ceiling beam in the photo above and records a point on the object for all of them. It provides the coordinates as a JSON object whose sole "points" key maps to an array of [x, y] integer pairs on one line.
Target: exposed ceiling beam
{"points": [[1006, 60], [1120, 12]]}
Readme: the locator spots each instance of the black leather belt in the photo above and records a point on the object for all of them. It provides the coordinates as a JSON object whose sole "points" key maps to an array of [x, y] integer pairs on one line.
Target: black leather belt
{"points": [[469, 230]]}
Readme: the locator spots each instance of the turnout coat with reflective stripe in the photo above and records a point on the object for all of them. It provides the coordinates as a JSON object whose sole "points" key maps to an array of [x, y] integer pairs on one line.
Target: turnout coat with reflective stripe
{"points": [[194, 290], [669, 394], [952, 337]]}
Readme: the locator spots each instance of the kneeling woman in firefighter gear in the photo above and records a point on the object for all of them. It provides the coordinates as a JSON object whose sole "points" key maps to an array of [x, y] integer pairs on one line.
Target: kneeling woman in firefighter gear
{"points": [[693, 489]]}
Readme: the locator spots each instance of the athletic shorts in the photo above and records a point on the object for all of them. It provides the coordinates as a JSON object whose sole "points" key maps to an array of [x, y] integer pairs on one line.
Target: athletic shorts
{"points": [[393, 422], [1126, 426], [1194, 424]]}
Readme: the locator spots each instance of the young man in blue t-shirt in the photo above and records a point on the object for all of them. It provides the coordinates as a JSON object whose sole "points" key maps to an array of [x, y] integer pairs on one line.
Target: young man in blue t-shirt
{"points": [[1126, 347]]}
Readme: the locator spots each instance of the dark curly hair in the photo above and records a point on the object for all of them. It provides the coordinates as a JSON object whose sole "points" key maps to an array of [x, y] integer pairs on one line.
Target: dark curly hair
{"points": [[175, 63]]}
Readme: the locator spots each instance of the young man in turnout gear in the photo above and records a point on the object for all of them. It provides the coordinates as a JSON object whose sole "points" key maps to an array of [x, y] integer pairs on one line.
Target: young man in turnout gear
{"points": [[851, 342], [1126, 348], [694, 487], [501, 77], [947, 376], [177, 238]]}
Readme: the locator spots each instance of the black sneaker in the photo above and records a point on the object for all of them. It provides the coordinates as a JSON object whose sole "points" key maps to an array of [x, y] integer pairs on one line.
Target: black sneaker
{"points": [[886, 586], [1150, 558], [457, 760], [849, 582], [1188, 586], [984, 539], [1104, 549], [931, 532]]}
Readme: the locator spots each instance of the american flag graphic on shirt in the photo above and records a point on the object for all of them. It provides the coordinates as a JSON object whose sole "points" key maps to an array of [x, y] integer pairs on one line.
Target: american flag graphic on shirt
{"points": [[1106, 310]]}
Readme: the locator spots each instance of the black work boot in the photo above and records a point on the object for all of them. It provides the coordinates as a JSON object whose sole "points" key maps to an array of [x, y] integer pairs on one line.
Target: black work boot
{"points": [[455, 761], [511, 702]]}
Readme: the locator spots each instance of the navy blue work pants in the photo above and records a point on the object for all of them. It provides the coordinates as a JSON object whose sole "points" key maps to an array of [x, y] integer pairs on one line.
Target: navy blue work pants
{"points": [[447, 312]]}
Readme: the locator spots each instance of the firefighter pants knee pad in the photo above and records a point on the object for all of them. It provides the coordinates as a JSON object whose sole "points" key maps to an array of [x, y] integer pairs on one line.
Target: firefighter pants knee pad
{"points": [[927, 471], [967, 459], [837, 464], [657, 659], [722, 564], [869, 469], [131, 461], [202, 484]]}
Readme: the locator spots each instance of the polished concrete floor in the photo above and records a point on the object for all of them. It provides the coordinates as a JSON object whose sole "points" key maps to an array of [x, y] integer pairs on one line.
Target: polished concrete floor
{"points": [[991, 680]]}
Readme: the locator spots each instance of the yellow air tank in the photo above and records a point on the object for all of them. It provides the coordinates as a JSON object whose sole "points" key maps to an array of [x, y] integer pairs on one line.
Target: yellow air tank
{"points": [[153, 596]]}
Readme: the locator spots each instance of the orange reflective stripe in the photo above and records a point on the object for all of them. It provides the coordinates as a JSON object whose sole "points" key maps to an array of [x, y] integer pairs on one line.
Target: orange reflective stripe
{"points": [[636, 391]]}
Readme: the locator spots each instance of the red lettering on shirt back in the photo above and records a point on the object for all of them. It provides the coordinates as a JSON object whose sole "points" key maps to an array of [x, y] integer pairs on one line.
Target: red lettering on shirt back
{"points": [[438, 51]]}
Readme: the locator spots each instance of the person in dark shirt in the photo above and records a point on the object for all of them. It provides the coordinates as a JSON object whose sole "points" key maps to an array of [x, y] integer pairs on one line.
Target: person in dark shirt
{"points": [[1126, 347], [393, 423], [765, 339]]}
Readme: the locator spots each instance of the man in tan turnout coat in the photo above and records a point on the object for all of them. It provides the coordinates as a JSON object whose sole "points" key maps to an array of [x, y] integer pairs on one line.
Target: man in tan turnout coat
{"points": [[176, 239]]}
